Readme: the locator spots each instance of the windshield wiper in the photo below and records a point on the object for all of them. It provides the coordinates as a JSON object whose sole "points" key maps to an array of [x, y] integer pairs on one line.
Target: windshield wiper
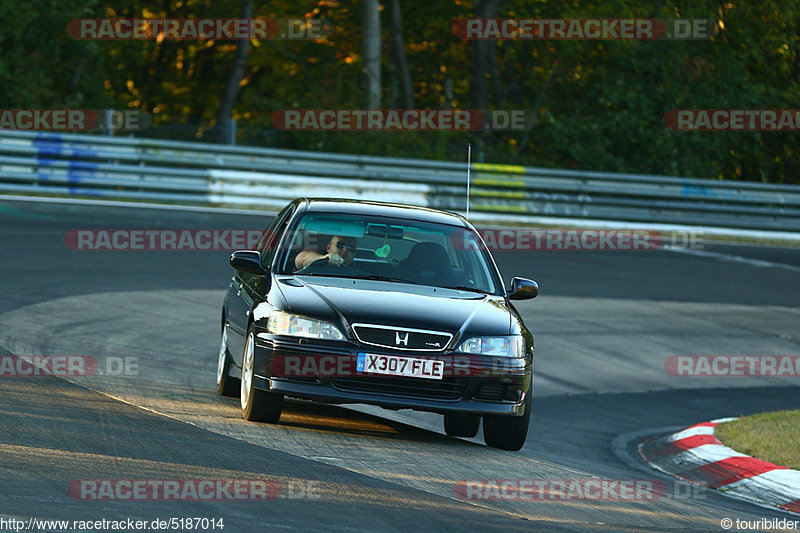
{"points": [[465, 288], [378, 277]]}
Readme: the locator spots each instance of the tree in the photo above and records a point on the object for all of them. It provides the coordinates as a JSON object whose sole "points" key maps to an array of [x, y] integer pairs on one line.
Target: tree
{"points": [[234, 79], [372, 52], [401, 72]]}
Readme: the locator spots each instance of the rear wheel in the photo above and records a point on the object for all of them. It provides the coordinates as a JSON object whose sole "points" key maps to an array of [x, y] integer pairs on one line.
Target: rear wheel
{"points": [[461, 425], [226, 384], [508, 432], [257, 405]]}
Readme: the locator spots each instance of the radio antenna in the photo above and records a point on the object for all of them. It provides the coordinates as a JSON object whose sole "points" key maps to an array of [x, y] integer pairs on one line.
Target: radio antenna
{"points": [[469, 164]]}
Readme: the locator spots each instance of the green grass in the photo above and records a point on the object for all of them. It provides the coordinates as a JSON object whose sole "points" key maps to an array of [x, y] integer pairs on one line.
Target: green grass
{"points": [[773, 437]]}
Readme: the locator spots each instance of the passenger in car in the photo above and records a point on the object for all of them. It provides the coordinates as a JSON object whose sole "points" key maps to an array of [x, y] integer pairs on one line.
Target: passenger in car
{"points": [[339, 251]]}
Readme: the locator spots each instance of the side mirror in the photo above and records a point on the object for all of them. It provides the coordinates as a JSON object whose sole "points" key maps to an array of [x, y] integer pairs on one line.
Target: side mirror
{"points": [[248, 261], [522, 289]]}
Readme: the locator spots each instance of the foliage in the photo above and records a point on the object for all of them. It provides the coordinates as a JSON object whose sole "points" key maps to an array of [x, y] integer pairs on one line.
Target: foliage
{"points": [[599, 105]]}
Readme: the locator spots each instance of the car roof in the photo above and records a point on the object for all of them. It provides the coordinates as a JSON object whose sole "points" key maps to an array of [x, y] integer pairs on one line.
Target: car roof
{"points": [[366, 207]]}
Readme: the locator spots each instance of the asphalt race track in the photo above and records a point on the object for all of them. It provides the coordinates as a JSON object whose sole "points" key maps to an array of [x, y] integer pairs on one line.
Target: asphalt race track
{"points": [[605, 322]]}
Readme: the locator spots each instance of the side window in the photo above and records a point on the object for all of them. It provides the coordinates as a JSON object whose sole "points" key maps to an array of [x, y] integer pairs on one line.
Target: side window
{"points": [[272, 235]]}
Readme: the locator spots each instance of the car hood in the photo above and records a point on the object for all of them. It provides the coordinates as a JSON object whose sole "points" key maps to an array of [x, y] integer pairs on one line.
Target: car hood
{"points": [[348, 301]]}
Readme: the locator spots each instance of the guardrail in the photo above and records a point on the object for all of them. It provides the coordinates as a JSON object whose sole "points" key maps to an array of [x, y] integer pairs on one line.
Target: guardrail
{"points": [[201, 173]]}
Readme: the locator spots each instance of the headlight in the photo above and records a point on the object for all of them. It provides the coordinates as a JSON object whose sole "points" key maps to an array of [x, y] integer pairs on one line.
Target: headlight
{"points": [[511, 346], [281, 323]]}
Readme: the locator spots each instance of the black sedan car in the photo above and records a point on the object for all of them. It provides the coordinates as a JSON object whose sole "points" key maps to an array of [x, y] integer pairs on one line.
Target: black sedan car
{"points": [[390, 305]]}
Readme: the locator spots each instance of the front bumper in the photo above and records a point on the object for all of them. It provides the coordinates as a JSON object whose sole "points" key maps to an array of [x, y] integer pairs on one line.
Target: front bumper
{"points": [[472, 384]]}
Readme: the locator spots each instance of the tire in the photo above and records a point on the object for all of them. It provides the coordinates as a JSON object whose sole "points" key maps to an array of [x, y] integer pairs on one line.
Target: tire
{"points": [[226, 384], [257, 405], [508, 432], [460, 425]]}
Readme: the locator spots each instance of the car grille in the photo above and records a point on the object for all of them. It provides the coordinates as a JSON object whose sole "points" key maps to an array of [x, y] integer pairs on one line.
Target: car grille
{"points": [[399, 338], [444, 389]]}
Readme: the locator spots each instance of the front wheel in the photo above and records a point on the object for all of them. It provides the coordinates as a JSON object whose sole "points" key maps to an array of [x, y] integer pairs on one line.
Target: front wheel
{"points": [[257, 405], [508, 432], [226, 384]]}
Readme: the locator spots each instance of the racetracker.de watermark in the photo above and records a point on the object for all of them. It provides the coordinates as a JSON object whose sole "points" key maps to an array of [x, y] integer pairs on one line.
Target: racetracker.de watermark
{"points": [[162, 240], [74, 119], [401, 119], [376, 365], [591, 489], [530, 239], [495, 239], [225, 490], [600, 29], [733, 365], [198, 29], [67, 366], [733, 119], [174, 489]]}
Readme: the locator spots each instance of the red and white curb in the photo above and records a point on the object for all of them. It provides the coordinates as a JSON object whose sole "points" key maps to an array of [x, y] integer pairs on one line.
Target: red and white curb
{"points": [[696, 455]]}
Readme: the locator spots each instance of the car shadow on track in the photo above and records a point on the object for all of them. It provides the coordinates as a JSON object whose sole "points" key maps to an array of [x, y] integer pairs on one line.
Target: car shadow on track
{"points": [[334, 419]]}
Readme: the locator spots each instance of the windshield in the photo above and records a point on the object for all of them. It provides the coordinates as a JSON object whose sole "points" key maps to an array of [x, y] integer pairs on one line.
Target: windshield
{"points": [[379, 248]]}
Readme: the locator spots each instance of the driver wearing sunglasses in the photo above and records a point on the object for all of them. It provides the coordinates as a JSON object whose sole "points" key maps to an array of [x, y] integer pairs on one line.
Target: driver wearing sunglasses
{"points": [[340, 250]]}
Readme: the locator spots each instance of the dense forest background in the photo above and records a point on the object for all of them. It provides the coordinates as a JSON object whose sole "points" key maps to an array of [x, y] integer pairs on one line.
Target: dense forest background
{"points": [[598, 105]]}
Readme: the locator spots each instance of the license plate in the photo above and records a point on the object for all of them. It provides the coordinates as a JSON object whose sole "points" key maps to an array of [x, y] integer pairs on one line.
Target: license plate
{"points": [[393, 365]]}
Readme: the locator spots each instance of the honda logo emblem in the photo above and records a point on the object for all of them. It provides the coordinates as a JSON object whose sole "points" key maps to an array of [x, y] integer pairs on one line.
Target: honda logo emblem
{"points": [[400, 340]]}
